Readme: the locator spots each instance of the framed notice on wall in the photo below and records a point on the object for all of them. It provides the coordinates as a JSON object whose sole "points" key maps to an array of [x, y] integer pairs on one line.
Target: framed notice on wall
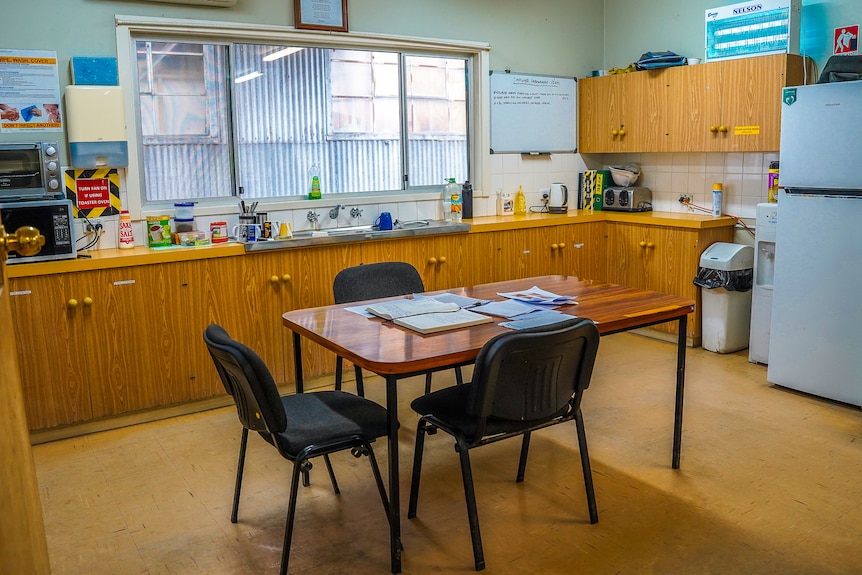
{"points": [[320, 14], [533, 114]]}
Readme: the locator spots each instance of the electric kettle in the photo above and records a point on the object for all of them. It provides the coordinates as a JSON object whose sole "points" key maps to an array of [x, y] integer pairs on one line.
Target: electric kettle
{"points": [[558, 199]]}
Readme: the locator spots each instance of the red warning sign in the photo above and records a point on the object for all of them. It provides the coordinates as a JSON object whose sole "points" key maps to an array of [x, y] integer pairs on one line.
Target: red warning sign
{"points": [[846, 40], [93, 194]]}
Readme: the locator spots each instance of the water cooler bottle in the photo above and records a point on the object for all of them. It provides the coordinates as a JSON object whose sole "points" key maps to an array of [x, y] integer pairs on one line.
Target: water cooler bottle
{"points": [[764, 271]]}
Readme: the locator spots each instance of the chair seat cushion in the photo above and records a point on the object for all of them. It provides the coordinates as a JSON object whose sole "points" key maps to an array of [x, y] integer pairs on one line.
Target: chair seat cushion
{"points": [[326, 417], [450, 406]]}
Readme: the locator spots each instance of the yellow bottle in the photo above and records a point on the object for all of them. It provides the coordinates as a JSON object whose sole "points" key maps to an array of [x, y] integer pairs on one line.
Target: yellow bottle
{"points": [[520, 203]]}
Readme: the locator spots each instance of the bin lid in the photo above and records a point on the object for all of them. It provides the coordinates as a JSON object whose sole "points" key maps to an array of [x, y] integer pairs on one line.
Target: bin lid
{"points": [[725, 256]]}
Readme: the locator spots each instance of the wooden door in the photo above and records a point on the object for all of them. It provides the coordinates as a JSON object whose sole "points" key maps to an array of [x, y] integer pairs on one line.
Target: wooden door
{"points": [[549, 248], [641, 111], [586, 245], [494, 256], [693, 97], [23, 548], [438, 259], [48, 315], [627, 254], [599, 110]]}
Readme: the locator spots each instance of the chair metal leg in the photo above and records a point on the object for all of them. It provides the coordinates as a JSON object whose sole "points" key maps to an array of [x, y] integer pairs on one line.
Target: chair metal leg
{"points": [[377, 478], [585, 464], [459, 378], [360, 386], [291, 513], [470, 495], [522, 463], [331, 474], [417, 468], [239, 467], [427, 383], [305, 468], [339, 364]]}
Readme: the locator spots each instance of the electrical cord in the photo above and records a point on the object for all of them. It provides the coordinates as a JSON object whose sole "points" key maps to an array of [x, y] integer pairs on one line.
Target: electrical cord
{"points": [[684, 200], [97, 234]]}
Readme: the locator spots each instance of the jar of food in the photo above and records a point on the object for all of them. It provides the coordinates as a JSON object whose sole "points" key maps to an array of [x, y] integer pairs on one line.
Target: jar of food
{"points": [[218, 231]]}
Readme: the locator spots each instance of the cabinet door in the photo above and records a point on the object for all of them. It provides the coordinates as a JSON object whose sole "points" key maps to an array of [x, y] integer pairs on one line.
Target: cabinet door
{"points": [[586, 245], [135, 345], [495, 256], [598, 114], [440, 260], [51, 350], [694, 119], [621, 113]]}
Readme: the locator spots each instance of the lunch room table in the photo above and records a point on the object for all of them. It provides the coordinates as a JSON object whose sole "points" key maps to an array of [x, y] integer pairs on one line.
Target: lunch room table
{"points": [[395, 352]]}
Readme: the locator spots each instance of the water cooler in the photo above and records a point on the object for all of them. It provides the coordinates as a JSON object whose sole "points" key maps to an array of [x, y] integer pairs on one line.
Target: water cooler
{"points": [[764, 271]]}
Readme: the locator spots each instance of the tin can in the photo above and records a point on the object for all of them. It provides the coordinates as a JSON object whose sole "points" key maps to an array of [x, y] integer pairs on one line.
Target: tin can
{"points": [[218, 231]]}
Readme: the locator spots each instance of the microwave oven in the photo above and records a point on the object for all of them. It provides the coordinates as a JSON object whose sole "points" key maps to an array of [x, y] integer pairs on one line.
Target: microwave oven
{"points": [[30, 170], [53, 219]]}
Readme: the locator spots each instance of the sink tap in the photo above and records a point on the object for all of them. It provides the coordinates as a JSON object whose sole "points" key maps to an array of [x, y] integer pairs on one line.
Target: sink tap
{"points": [[333, 213], [313, 217], [355, 212]]}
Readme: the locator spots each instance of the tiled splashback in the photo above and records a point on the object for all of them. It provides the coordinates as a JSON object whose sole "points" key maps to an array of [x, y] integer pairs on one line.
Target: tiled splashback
{"points": [[669, 176]]}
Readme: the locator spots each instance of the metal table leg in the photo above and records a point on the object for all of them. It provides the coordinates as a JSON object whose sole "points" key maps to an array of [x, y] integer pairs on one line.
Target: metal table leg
{"points": [[297, 361], [394, 493], [680, 386]]}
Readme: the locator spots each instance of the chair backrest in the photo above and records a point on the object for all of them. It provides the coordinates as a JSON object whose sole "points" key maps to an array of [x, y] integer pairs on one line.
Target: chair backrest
{"points": [[370, 281], [534, 374], [246, 377]]}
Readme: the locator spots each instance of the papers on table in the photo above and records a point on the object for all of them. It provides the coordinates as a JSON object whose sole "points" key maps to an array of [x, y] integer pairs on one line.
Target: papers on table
{"points": [[537, 319], [410, 307], [462, 300], [507, 308], [435, 322], [536, 295]]}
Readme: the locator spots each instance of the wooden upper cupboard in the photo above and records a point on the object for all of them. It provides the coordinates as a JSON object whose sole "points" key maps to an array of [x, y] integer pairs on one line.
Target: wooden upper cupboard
{"points": [[727, 106]]}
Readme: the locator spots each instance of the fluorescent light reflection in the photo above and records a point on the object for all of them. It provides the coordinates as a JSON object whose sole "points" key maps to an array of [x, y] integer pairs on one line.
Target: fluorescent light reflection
{"points": [[281, 53], [247, 77]]}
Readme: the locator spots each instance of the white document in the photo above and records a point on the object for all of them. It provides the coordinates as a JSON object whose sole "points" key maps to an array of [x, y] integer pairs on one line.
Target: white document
{"points": [[408, 307], [536, 295], [507, 308], [540, 318], [462, 300], [435, 322]]}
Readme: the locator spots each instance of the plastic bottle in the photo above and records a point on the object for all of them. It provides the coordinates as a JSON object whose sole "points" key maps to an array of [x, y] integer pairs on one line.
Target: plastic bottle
{"points": [[773, 182], [457, 204], [450, 188], [717, 193], [520, 203], [467, 199], [127, 237], [314, 175], [505, 206]]}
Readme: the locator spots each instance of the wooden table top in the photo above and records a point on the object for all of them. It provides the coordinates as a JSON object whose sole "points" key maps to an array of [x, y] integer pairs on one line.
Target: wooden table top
{"points": [[387, 349]]}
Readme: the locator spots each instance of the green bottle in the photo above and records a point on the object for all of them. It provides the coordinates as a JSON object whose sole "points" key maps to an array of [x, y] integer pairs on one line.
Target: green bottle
{"points": [[314, 174]]}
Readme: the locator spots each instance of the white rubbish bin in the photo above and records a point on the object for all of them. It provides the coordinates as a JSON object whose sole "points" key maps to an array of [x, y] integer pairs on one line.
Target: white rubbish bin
{"points": [[725, 277]]}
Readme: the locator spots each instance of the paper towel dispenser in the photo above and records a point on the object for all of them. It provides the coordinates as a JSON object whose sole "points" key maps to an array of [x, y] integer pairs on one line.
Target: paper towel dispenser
{"points": [[96, 124]]}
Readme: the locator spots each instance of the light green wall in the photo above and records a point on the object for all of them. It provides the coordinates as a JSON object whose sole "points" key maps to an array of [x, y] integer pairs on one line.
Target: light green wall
{"points": [[632, 27]]}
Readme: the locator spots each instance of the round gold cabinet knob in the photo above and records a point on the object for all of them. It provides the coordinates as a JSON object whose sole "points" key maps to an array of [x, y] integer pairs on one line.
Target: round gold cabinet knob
{"points": [[614, 132], [273, 280], [622, 132], [650, 245], [285, 278], [442, 259], [642, 244], [88, 301], [562, 245], [722, 129], [713, 129], [432, 260], [72, 303], [554, 246]]}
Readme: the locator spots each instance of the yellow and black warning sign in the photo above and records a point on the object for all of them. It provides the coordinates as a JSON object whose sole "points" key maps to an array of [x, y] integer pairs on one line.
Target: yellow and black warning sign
{"points": [[94, 192]]}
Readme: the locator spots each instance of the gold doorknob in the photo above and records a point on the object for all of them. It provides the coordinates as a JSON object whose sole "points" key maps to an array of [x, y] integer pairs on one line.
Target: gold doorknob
{"points": [[285, 278], [88, 301], [614, 132], [722, 129], [642, 244], [442, 259], [432, 260], [72, 303], [26, 240]]}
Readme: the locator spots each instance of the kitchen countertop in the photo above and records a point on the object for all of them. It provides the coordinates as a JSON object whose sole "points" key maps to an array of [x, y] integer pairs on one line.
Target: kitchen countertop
{"points": [[117, 258]]}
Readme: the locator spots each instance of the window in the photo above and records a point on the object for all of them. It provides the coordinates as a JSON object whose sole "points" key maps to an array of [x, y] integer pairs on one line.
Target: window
{"points": [[219, 118]]}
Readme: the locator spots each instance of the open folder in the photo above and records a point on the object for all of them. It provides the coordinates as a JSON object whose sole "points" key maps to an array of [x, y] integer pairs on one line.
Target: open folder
{"points": [[427, 315]]}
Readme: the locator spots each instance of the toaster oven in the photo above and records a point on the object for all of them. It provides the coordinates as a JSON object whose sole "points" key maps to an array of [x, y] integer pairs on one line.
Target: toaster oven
{"points": [[30, 171], [627, 199]]}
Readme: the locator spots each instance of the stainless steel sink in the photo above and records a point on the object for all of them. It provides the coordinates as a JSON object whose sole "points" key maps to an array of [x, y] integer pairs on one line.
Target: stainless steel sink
{"points": [[356, 233]]}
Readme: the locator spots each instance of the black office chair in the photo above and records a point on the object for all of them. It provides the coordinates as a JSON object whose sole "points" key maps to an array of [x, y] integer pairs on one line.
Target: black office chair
{"points": [[300, 426], [372, 281], [523, 381]]}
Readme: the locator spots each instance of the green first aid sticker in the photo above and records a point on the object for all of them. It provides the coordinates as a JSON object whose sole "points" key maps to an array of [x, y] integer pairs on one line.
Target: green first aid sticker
{"points": [[788, 96]]}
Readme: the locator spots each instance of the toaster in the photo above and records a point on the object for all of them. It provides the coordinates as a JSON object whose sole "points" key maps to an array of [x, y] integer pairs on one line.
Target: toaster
{"points": [[627, 199]]}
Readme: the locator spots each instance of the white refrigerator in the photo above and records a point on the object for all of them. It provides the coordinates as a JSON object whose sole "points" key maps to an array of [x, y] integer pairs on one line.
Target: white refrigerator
{"points": [[816, 329]]}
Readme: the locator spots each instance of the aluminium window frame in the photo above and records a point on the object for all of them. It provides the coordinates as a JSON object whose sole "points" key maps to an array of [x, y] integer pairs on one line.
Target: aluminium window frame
{"points": [[129, 29]]}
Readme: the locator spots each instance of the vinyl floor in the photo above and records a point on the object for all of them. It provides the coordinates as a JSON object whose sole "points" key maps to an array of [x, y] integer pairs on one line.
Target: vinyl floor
{"points": [[770, 484]]}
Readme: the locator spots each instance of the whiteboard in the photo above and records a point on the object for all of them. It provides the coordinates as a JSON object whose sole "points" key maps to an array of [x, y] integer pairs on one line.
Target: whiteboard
{"points": [[531, 113]]}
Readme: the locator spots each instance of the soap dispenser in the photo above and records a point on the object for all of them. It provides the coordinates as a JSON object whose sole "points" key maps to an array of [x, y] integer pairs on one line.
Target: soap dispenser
{"points": [[520, 203]]}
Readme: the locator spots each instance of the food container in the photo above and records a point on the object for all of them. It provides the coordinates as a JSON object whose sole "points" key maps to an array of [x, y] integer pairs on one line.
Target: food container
{"points": [[218, 232], [158, 231], [184, 225], [184, 211]]}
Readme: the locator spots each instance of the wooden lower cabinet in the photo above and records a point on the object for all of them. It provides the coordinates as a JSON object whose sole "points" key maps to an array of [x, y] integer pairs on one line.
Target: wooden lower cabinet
{"points": [[441, 260], [662, 259]]}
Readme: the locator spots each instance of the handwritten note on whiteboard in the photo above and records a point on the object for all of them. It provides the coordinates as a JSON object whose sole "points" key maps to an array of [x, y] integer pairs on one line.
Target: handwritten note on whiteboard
{"points": [[531, 113]]}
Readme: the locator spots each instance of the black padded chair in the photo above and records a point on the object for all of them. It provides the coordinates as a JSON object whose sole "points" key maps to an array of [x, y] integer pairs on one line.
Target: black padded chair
{"points": [[300, 426], [372, 281], [522, 381]]}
